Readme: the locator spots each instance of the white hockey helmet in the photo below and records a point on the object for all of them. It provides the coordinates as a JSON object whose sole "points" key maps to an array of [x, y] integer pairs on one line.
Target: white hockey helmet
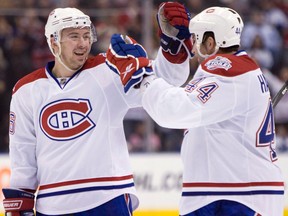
{"points": [[225, 23], [61, 18]]}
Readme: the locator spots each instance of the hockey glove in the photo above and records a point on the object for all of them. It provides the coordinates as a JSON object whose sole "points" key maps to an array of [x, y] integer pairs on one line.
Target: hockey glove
{"points": [[18, 202], [129, 60], [175, 39]]}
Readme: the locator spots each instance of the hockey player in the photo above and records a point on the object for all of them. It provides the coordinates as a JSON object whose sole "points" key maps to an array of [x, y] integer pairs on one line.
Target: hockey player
{"points": [[228, 150], [66, 129]]}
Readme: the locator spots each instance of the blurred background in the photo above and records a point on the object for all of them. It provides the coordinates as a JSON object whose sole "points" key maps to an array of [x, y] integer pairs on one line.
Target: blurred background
{"points": [[23, 48]]}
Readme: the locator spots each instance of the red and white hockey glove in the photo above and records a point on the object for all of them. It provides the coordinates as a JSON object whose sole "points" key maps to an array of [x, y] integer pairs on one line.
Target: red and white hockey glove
{"points": [[18, 202], [129, 60], [173, 21]]}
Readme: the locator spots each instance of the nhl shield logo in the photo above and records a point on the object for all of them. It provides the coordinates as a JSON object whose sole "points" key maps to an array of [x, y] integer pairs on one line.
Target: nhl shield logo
{"points": [[66, 119]]}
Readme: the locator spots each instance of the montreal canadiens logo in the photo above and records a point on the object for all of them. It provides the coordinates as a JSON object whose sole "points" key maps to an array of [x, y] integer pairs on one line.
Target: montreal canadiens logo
{"points": [[66, 119], [12, 123], [219, 62]]}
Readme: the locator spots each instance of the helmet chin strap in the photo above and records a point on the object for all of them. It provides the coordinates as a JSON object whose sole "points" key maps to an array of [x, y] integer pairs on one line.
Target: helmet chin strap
{"points": [[205, 56], [58, 56], [61, 62]]}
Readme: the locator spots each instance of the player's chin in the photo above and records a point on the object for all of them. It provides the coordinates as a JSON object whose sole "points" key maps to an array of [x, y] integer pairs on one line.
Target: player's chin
{"points": [[80, 60], [77, 64]]}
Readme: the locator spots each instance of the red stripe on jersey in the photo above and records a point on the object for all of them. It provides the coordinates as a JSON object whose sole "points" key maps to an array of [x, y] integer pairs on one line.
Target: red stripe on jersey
{"points": [[35, 75], [237, 64], [94, 61], [81, 181], [246, 184], [40, 73]]}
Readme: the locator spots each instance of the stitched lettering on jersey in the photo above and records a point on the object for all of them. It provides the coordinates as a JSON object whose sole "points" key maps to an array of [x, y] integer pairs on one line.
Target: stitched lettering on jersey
{"points": [[12, 123], [263, 83], [205, 91], [219, 62], [66, 119], [266, 133], [193, 84]]}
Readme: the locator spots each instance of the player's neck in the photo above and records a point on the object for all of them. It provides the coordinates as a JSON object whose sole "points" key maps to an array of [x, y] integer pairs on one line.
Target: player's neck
{"points": [[60, 71]]}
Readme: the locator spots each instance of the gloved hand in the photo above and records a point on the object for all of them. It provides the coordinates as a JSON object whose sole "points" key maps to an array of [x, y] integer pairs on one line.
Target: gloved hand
{"points": [[129, 60], [18, 202], [173, 21]]}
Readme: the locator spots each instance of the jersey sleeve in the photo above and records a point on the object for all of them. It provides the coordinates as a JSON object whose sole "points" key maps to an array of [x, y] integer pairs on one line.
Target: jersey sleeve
{"points": [[199, 103], [133, 97], [174, 74], [22, 142]]}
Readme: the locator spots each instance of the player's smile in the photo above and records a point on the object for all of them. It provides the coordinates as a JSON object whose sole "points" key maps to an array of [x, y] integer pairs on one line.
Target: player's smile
{"points": [[81, 55], [79, 58]]}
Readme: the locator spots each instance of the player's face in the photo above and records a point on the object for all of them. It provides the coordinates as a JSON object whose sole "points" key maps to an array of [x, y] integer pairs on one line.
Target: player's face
{"points": [[207, 47], [195, 50], [75, 46]]}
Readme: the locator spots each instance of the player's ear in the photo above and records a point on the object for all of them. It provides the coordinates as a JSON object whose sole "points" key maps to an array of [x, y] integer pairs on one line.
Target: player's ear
{"points": [[210, 45]]}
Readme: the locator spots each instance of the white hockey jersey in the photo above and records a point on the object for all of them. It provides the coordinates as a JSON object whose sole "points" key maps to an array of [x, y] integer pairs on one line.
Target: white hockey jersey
{"points": [[67, 139], [228, 151]]}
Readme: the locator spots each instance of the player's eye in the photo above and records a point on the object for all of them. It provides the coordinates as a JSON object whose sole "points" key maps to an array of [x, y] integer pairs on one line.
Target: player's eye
{"points": [[74, 37], [87, 37]]}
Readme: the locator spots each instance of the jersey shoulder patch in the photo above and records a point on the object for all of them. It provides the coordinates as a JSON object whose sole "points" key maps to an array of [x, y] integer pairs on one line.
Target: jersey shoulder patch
{"points": [[229, 65], [31, 77]]}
